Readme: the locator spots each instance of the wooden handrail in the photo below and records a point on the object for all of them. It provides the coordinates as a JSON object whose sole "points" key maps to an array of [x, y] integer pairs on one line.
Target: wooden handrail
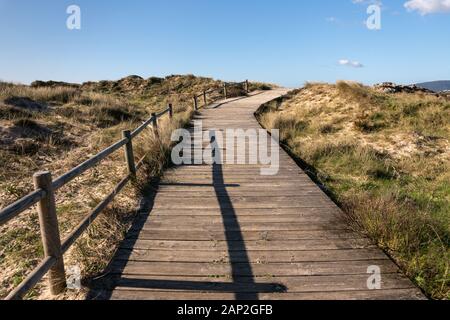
{"points": [[33, 279], [39, 272], [136, 132], [20, 206], [53, 260], [228, 84], [89, 164]]}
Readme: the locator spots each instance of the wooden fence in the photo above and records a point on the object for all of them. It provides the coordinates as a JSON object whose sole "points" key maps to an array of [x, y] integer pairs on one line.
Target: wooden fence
{"points": [[44, 197], [204, 95]]}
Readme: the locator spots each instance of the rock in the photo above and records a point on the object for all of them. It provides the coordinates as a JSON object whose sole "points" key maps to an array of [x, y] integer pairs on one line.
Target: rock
{"points": [[445, 94], [390, 87]]}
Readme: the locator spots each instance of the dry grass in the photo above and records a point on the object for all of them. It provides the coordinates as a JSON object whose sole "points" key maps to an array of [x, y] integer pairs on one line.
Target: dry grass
{"points": [[56, 127], [385, 158]]}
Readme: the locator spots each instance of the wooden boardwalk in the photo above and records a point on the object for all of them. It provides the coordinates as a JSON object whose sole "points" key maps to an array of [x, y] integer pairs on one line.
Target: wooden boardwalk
{"points": [[227, 232]]}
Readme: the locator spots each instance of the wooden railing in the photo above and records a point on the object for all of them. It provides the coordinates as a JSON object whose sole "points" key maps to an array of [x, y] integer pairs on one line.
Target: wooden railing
{"points": [[44, 197], [204, 95]]}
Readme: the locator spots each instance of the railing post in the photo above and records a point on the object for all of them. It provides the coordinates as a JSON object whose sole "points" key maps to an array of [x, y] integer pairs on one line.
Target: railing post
{"points": [[247, 86], [195, 103], [155, 124], [225, 91], [204, 98], [129, 154], [50, 235], [170, 111]]}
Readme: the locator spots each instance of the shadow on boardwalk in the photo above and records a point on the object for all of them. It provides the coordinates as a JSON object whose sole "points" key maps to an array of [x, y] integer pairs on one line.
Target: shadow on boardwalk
{"points": [[243, 287]]}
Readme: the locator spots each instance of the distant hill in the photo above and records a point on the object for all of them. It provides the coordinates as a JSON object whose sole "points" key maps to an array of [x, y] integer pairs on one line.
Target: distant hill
{"points": [[436, 86]]}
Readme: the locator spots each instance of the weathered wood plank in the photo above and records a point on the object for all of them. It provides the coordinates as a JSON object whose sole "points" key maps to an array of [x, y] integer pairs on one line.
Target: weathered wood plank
{"points": [[242, 212], [314, 200], [201, 193], [278, 245], [265, 284], [240, 204], [252, 256], [257, 270], [243, 226], [189, 235], [229, 220], [390, 294]]}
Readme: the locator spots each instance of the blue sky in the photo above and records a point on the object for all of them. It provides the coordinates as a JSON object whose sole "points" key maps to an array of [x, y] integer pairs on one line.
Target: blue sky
{"points": [[284, 41]]}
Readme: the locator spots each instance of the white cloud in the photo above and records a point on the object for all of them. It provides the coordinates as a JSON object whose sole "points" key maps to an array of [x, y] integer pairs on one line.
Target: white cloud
{"points": [[348, 63], [428, 6]]}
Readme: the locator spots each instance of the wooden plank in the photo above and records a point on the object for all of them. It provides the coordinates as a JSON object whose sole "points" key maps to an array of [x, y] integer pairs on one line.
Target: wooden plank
{"points": [[315, 199], [391, 294], [230, 221], [189, 235], [233, 192], [278, 245], [242, 212], [291, 256], [180, 188], [206, 173], [227, 168], [258, 269], [306, 284], [261, 185], [239, 205], [243, 226]]}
